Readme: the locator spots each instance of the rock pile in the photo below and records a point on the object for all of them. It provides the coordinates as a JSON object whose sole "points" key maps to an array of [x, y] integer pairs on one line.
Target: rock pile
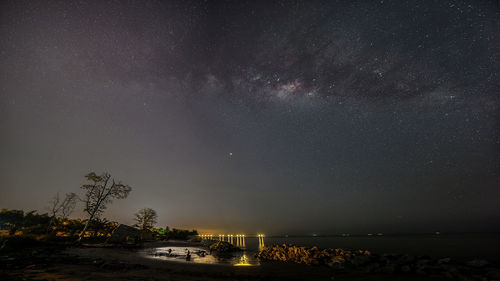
{"points": [[223, 247], [387, 263], [312, 255]]}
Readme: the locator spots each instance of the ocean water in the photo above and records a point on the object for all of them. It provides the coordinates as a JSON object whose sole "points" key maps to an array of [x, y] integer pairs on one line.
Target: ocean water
{"points": [[456, 246], [460, 247]]}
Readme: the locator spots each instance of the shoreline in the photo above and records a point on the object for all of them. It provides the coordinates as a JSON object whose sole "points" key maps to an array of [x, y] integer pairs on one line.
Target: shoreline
{"points": [[97, 263]]}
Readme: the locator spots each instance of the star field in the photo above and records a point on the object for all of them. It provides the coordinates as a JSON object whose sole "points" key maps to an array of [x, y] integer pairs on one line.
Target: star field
{"points": [[271, 116]]}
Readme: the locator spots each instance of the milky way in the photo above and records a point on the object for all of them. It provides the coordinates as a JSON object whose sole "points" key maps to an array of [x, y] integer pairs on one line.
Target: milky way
{"points": [[265, 116]]}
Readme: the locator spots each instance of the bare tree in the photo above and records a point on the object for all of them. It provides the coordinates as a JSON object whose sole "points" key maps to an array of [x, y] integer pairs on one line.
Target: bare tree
{"points": [[99, 193], [61, 208], [68, 205], [146, 218]]}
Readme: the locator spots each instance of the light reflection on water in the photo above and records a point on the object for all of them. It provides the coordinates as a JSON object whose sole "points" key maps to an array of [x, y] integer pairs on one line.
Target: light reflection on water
{"points": [[200, 255]]}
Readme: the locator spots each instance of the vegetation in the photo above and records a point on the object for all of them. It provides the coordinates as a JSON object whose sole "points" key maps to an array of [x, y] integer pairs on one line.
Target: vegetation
{"points": [[43, 226], [17, 222], [100, 192], [180, 234], [56, 224], [174, 233], [146, 218], [61, 208]]}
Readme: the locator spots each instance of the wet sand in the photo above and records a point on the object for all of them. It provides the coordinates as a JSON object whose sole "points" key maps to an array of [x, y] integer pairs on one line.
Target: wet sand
{"points": [[93, 263]]}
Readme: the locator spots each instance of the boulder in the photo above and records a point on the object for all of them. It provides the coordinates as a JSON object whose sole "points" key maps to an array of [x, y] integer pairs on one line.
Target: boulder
{"points": [[360, 260], [420, 271], [223, 247], [390, 268], [373, 268], [493, 274], [422, 263], [405, 268], [312, 255], [477, 263], [406, 259], [444, 261], [386, 263]]}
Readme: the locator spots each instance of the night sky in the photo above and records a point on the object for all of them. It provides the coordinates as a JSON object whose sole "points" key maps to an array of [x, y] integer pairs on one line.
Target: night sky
{"points": [[278, 117]]}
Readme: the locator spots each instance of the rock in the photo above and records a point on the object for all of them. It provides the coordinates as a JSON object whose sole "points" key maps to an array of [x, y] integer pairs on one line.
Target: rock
{"points": [[338, 259], [390, 268], [389, 258], [336, 262], [406, 259], [360, 260], [451, 272], [444, 261], [405, 268], [313, 255], [420, 271], [372, 268], [374, 263], [223, 247], [98, 262], [477, 263], [422, 262], [448, 275], [493, 274], [335, 265]]}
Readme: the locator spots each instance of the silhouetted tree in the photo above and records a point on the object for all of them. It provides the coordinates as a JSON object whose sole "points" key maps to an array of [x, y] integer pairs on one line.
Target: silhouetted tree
{"points": [[102, 227], [146, 218], [181, 234], [61, 208], [100, 192], [35, 223]]}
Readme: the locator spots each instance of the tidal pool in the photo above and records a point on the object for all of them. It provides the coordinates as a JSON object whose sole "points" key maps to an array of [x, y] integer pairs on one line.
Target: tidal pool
{"points": [[202, 256]]}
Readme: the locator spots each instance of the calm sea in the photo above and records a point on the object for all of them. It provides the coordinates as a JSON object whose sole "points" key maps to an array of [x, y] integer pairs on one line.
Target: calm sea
{"points": [[461, 247], [457, 246]]}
